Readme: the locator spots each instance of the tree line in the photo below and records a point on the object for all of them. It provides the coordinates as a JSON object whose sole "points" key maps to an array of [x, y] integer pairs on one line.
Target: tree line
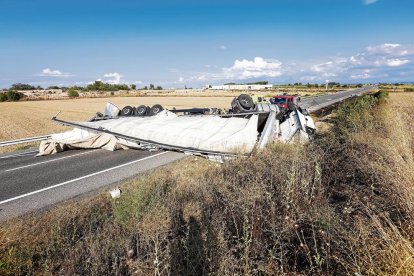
{"points": [[96, 86]]}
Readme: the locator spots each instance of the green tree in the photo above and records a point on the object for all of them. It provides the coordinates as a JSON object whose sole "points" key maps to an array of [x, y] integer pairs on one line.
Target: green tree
{"points": [[151, 86], [102, 86], [133, 86], [258, 83], [22, 86], [73, 93], [53, 87]]}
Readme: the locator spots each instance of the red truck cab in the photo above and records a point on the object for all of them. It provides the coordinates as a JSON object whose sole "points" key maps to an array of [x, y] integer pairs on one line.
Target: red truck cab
{"points": [[283, 101]]}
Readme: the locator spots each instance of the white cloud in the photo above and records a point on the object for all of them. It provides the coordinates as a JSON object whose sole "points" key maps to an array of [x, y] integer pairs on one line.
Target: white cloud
{"points": [[47, 72], [385, 62], [369, 2], [223, 47], [181, 79], [397, 62], [112, 78], [361, 76], [258, 67]]}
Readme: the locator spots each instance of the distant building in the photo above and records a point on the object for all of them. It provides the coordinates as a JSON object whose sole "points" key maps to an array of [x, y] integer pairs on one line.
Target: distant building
{"points": [[240, 87]]}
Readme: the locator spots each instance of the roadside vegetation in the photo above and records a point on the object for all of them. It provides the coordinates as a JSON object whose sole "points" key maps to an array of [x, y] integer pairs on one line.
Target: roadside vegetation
{"points": [[396, 87], [73, 93], [343, 204]]}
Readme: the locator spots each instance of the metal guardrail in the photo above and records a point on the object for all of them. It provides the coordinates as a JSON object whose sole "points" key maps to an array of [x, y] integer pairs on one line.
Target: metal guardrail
{"points": [[24, 140]]}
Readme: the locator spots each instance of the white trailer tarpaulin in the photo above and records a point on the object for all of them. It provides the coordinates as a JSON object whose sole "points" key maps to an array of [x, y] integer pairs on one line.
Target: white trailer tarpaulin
{"points": [[204, 133]]}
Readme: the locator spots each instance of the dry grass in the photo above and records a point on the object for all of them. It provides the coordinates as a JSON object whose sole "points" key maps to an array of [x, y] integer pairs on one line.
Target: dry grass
{"points": [[341, 205]]}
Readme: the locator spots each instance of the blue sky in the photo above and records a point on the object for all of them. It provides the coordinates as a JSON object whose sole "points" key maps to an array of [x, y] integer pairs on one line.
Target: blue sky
{"points": [[194, 43]]}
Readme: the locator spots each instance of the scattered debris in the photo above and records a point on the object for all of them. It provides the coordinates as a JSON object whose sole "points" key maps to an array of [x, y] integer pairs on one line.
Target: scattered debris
{"points": [[115, 193]]}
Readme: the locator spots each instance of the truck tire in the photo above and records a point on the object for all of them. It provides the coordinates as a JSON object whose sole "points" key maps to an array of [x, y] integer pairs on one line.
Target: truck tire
{"points": [[155, 109], [245, 101], [127, 111], [141, 110]]}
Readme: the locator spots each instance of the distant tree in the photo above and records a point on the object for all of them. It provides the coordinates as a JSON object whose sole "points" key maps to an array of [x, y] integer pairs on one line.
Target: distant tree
{"points": [[39, 87], [133, 86], [258, 83], [22, 86], [158, 88], [145, 88], [151, 87], [73, 93], [332, 83], [102, 86], [53, 87], [3, 97]]}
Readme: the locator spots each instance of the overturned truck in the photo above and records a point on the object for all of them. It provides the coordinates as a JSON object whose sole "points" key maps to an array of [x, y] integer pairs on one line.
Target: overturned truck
{"points": [[209, 132]]}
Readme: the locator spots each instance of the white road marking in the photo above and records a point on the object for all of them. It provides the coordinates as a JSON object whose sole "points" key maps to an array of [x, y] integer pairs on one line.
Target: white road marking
{"points": [[44, 162], [80, 178], [18, 154]]}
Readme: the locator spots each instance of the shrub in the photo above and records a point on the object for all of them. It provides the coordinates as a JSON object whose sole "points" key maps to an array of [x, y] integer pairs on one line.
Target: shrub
{"points": [[3, 97], [72, 93], [13, 96]]}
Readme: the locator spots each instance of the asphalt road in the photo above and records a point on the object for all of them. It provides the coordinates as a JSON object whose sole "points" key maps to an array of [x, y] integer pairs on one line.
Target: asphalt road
{"points": [[29, 183], [318, 102]]}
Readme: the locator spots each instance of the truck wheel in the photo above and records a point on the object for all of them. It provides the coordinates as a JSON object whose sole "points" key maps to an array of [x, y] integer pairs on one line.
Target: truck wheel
{"points": [[127, 111], [155, 109], [245, 101], [141, 110]]}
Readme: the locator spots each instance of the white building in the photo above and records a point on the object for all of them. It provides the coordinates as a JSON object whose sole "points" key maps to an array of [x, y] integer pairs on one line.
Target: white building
{"points": [[240, 87]]}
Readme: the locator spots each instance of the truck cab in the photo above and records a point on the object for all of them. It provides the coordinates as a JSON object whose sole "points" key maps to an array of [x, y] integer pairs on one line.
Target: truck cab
{"points": [[283, 101]]}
